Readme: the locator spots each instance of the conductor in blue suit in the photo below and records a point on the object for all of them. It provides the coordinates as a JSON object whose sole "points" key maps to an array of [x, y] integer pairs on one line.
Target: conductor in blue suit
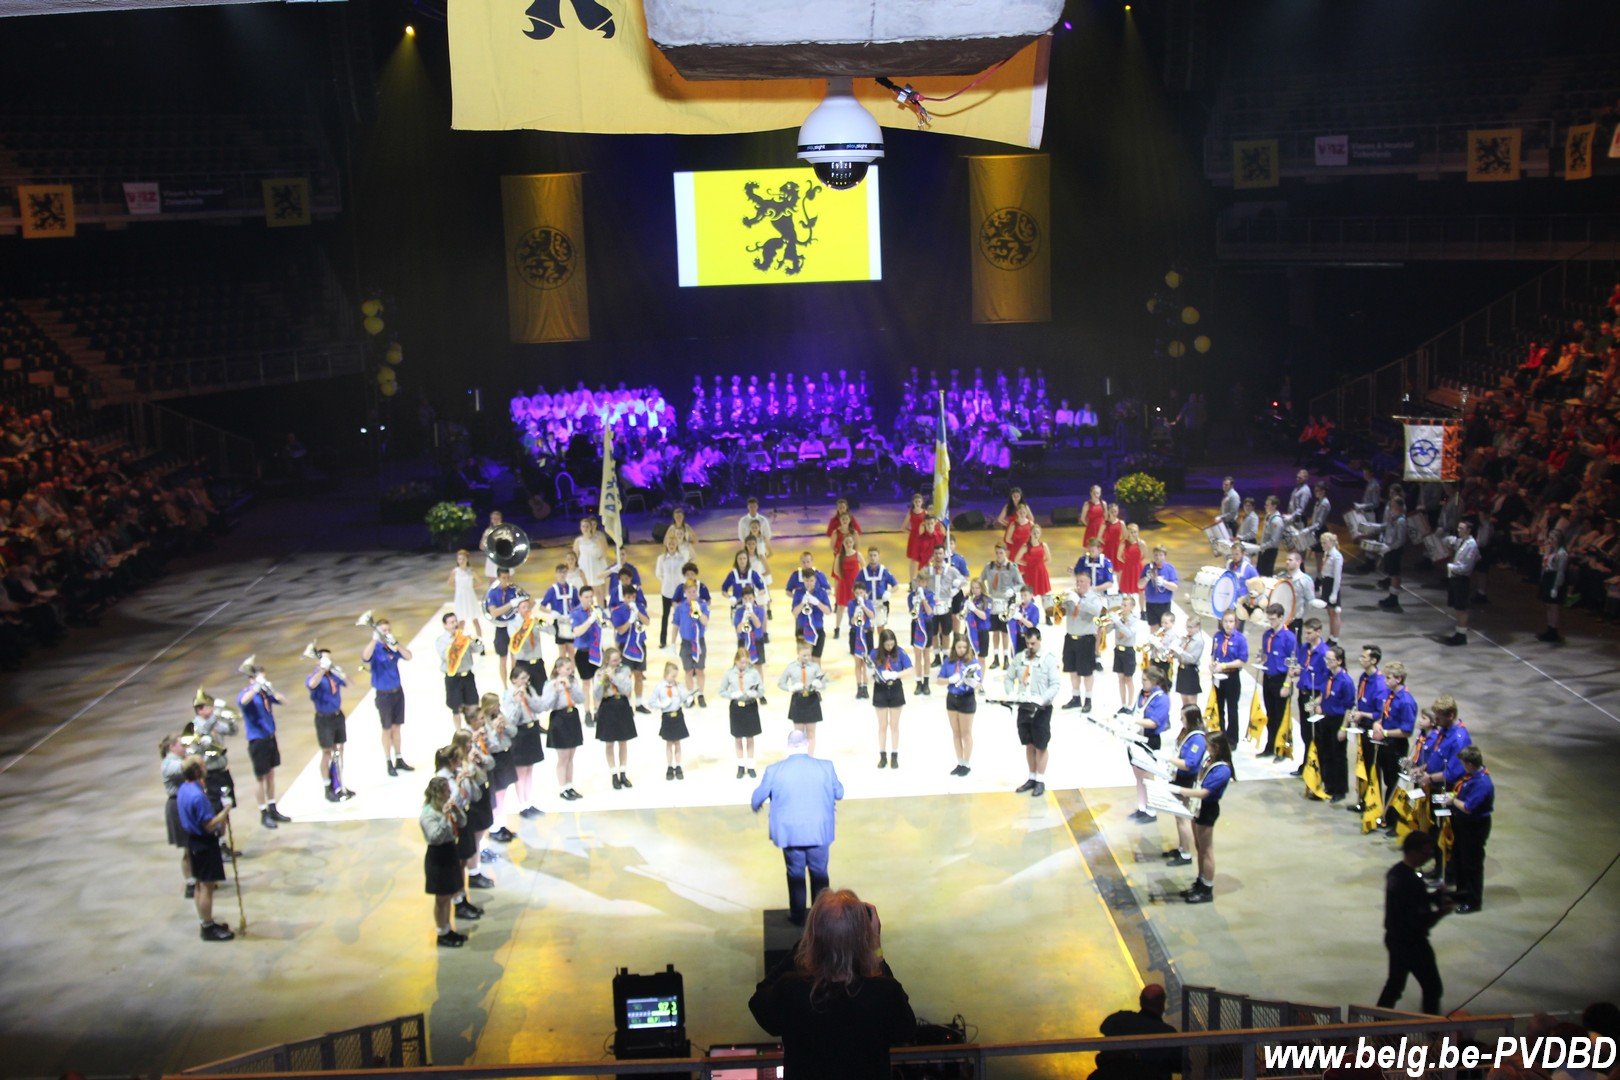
{"points": [[804, 793]]}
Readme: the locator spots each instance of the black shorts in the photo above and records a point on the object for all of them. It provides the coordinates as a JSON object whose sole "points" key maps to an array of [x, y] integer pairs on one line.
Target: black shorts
{"points": [[966, 702], [634, 665], [998, 624], [1156, 611], [940, 626], [694, 655], [1549, 591], [391, 708], [1080, 654], [1208, 811], [330, 729], [583, 665], [1124, 660], [1035, 726], [503, 641], [1389, 564], [888, 695], [1457, 591], [460, 691], [264, 754], [207, 862]]}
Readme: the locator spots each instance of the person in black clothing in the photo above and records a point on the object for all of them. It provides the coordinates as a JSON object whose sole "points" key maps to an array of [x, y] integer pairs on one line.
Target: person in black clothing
{"points": [[1409, 913], [1138, 1064], [836, 1005]]}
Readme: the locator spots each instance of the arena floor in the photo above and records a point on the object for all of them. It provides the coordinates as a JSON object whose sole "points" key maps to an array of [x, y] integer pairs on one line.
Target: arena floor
{"points": [[992, 905]]}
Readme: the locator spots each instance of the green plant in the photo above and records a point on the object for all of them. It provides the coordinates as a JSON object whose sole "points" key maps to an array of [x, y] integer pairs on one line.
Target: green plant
{"points": [[448, 519], [1139, 489]]}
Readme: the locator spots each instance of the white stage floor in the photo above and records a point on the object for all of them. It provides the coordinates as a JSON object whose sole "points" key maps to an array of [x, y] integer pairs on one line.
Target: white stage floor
{"points": [[1082, 755]]}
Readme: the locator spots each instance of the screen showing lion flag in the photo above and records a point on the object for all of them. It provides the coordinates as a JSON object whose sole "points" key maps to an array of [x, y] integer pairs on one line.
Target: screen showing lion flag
{"points": [[581, 65], [1432, 450], [545, 257], [774, 226], [1009, 222]]}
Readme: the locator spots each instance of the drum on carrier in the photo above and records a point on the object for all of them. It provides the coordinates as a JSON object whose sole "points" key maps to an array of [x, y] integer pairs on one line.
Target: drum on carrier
{"points": [[1220, 538], [1215, 589]]}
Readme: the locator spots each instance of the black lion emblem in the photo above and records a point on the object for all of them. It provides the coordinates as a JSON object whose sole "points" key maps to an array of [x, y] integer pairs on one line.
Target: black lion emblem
{"points": [[1009, 238], [778, 208], [545, 257], [1493, 155]]}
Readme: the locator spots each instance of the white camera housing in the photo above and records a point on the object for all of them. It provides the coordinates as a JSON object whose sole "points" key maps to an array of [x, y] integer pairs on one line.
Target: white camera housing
{"points": [[840, 139]]}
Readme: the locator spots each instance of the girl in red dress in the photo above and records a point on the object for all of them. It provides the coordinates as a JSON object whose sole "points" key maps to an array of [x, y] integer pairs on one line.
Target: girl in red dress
{"points": [[930, 537], [1017, 537], [1129, 563], [846, 569], [1034, 567], [914, 529], [1113, 532], [1093, 514]]}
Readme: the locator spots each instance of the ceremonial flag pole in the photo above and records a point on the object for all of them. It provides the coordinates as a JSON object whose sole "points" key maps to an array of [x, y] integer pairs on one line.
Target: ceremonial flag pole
{"points": [[942, 470], [608, 504]]}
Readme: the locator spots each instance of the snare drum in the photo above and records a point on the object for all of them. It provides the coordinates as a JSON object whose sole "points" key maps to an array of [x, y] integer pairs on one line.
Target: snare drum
{"points": [[1434, 546], [1417, 524], [1297, 539], [1356, 522], [1219, 537]]}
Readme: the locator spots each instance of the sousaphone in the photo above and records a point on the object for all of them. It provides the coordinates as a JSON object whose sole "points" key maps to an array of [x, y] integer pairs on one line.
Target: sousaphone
{"points": [[507, 546]]}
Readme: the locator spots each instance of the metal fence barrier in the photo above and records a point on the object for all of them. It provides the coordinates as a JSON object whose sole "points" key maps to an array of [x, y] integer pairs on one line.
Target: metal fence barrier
{"points": [[397, 1044]]}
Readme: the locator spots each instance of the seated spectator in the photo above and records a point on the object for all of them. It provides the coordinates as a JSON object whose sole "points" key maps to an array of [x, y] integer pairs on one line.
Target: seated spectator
{"points": [[1148, 1019]]}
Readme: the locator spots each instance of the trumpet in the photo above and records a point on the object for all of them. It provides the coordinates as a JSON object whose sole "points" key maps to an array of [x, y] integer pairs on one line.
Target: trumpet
{"points": [[252, 670], [386, 637], [312, 652]]}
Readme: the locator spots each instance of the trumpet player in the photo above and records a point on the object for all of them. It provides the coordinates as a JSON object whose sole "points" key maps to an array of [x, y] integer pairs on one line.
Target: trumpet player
{"points": [[1159, 581], [630, 620], [1001, 581], [589, 622], [456, 651], [812, 600], [1082, 608], [804, 681], [500, 604], [173, 749], [203, 827], [383, 654], [692, 626], [1188, 654], [749, 620], [1126, 628], [862, 619], [257, 702], [205, 736], [325, 685]]}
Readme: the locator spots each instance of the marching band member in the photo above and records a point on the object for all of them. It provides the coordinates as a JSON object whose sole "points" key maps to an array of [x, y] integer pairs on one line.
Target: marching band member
{"points": [[1393, 731], [878, 581], [1082, 607], [480, 765], [1438, 748], [621, 572], [561, 598], [1231, 505], [1311, 655], [669, 700], [1271, 539], [1189, 656], [1372, 692], [668, 571], [804, 680], [976, 615], [811, 602], [257, 702], [1300, 500], [440, 866], [1277, 648], [449, 765], [1393, 536], [1192, 746], [962, 675], [1033, 682], [1304, 588], [1552, 584], [382, 655], [1338, 698], [743, 687], [945, 585], [1153, 716], [456, 651], [1024, 617], [862, 625], [1238, 563], [1228, 656], [501, 604], [630, 621], [1459, 580], [561, 699], [615, 719], [1473, 802], [1329, 580], [173, 751], [1001, 581], [500, 733], [523, 706], [202, 827], [1248, 528], [889, 664], [740, 576], [748, 618], [525, 642], [1158, 582], [1372, 494], [921, 602], [1126, 631], [588, 625], [1320, 509], [206, 733], [1161, 640], [1212, 780], [692, 627], [1096, 565], [325, 685]]}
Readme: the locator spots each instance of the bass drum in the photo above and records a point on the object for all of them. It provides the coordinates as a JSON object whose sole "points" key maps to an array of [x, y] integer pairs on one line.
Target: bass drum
{"points": [[1281, 591], [1214, 590]]}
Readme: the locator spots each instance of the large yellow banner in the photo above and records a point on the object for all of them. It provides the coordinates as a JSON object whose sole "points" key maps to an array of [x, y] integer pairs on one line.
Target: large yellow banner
{"points": [[47, 210], [545, 257], [774, 226], [512, 71], [1578, 151], [1009, 221], [1493, 155]]}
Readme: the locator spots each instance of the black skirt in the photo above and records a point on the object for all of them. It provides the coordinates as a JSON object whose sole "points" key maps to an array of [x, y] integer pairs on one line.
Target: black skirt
{"points": [[481, 814], [672, 728], [526, 748], [888, 695], [615, 720], [744, 719], [805, 708], [1187, 681], [443, 870], [504, 774], [964, 702], [565, 732], [171, 819], [467, 840]]}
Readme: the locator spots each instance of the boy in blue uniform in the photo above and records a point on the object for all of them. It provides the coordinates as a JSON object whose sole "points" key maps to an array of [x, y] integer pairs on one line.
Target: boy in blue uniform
{"points": [[202, 828], [383, 654], [1371, 693], [325, 686], [1095, 563], [1394, 731], [1277, 647], [257, 701], [1472, 805], [1311, 655], [630, 619], [812, 600], [500, 604], [692, 622]]}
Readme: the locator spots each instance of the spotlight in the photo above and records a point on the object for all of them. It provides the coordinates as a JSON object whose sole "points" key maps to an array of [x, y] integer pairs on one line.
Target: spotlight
{"points": [[1127, 9], [410, 31]]}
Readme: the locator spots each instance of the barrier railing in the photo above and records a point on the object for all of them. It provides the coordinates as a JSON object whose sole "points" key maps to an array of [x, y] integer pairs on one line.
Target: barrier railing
{"points": [[270, 367], [228, 455], [397, 1044], [1204, 1008], [1243, 235], [1392, 148]]}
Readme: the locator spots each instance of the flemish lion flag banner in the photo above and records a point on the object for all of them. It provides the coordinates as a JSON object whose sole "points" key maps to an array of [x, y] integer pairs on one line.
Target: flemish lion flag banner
{"points": [[1255, 164], [1009, 217], [1493, 155], [514, 67], [1432, 451], [1578, 151], [47, 210], [942, 465], [546, 298], [286, 202]]}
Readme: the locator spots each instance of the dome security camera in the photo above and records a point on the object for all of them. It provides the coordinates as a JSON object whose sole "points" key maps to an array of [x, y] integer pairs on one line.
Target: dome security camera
{"points": [[840, 139]]}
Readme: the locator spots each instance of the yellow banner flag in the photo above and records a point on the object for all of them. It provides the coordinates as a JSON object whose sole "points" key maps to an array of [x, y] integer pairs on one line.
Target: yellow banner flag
{"points": [[1493, 155], [1255, 164], [545, 257], [286, 202], [1313, 774], [512, 70], [1284, 743], [47, 210], [1373, 798], [1257, 720], [1009, 215], [1578, 151]]}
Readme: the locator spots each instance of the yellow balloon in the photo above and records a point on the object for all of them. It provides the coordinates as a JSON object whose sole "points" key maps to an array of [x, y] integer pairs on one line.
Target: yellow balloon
{"points": [[1173, 280], [1153, 305], [1177, 350], [395, 354], [371, 308], [1189, 315], [373, 325], [1202, 343], [390, 390], [385, 376]]}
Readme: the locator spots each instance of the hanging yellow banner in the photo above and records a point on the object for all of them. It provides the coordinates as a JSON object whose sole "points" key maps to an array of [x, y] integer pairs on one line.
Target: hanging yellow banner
{"points": [[511, 70], [1254, 164], [545, 257], [1578, 151], [286, 202], [1009, 223], [1493, 155], [47, 210]]}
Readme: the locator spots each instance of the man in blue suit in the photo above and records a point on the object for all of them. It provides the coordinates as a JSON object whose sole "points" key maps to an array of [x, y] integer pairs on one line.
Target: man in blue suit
{"points": [[804, 793]]}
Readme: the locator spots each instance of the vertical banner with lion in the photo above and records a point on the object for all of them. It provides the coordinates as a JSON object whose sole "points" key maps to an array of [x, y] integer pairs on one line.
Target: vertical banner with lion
{"points": [[1009, 222], [1493, 155], [546, 298]]}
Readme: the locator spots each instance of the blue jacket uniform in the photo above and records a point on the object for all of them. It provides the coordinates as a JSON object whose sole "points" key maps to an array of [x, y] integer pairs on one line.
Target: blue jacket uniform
{"points": [[1440, 749], [1191, 754], [1151, 593], [327, 693], [1313, 673], [258, 716], [752, 639], [1340, 695], [1226, 648], [1400, 713], [499, 596], [196, 810], [1477, 793], [1371, 693], [734, 583], [1278, 646], [1215, 780], [587, 633], [630, 631], [808, 625], [613, 581], [690, 626], [384, 668], [803, 793], [1100, 569], [878, 581], [1156, 707]]}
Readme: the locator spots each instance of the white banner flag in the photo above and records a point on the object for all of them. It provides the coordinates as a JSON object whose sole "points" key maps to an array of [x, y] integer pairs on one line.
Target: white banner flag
{"points": [[1332, 150], [1432, 451], [608, 507]]}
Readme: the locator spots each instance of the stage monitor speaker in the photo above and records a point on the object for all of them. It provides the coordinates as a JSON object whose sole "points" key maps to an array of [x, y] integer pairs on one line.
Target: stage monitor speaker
{"points": [[968, 519], [659, 530], [1066, 515], [781, 938]]}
